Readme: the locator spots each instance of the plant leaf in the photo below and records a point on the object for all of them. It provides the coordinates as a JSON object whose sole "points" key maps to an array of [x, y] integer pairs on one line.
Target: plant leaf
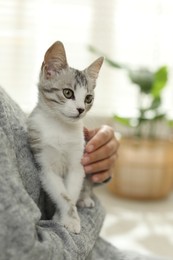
{"points": [[143, 78], [114, 64], [160, 80], [159, 116], [170, 123], [156, 103], [123, 120]]}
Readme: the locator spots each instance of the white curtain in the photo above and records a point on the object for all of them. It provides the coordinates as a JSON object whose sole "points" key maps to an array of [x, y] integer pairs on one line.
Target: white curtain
{"points": [[138, 33]]}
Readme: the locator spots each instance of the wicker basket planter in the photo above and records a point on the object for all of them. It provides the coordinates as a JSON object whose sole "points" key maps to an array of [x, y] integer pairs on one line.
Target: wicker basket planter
{"points": [[144, 169]]}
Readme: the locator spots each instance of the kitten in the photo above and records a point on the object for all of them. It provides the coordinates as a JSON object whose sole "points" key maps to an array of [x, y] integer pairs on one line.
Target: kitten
{"points": [[56, 131]]}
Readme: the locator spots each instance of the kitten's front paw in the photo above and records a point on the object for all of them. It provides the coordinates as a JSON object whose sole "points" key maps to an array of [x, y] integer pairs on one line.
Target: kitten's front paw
{"points": [[72, 224], [86, 203]]}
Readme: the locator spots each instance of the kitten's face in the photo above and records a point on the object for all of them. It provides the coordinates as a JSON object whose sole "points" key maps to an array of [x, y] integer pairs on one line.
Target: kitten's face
{"points": [[68, 92]]}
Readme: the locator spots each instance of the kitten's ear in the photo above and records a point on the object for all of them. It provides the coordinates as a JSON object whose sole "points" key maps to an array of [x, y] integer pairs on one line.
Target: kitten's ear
{"points": [[54, 59], [94, 68]]}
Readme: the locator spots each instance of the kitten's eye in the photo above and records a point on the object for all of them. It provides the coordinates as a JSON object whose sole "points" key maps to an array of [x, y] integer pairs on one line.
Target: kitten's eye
{"points": [[88, 99], [68, 93]]}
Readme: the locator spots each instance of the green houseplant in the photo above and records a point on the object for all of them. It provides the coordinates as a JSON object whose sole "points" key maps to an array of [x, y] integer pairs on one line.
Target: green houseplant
{"points": [[145, 168], [150, 85]]}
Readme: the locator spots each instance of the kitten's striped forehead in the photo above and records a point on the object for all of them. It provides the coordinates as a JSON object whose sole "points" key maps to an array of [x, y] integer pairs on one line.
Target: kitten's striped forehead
{"points": [[80, 78]]}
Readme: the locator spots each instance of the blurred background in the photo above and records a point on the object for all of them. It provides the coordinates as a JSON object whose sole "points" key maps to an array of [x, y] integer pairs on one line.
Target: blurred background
{"points": [[132, 34]]}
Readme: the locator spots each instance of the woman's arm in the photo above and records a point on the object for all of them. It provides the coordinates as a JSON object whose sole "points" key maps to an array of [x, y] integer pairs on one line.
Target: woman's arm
{"points": [[22, 234]]}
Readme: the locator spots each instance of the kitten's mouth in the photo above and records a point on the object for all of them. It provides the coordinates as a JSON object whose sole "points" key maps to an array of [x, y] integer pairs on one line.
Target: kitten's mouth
{"points": [[75, 117], [72, 117]]}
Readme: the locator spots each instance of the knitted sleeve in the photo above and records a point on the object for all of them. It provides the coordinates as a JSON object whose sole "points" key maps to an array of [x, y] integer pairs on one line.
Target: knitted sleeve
{"points": [[23, 235]]}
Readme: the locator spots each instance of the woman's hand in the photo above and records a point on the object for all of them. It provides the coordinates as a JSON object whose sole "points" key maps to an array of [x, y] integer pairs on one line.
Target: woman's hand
{"points": [[100, 153]]}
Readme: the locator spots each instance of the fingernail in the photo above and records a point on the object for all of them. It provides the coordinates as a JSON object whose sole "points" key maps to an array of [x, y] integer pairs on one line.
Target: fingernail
{"points": [[90, 148], [88, 169], [95, 178], [85, 159]]}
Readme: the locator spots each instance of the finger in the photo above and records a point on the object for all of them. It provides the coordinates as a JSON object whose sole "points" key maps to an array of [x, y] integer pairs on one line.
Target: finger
{"points": [[100, 154], [100, 177], [99, 137], [100, 166], [90, 133]]}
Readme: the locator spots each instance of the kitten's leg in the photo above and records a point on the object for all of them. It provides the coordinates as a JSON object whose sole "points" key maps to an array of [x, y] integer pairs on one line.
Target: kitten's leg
{"points": [[54, 186], [53, 182], [79, 188], [85, 199], [74, 180]]}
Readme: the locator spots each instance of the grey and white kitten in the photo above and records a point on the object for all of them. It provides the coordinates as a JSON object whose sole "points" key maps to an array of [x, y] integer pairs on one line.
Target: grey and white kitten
{"points": [[56, 131]]}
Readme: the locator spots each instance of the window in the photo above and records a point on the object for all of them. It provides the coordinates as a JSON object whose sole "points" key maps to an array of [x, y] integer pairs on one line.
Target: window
{"points": [[135, 32]]}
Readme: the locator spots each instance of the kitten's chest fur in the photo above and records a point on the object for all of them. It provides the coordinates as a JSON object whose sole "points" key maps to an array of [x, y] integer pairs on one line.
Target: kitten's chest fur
{"points": [[57, 133], [59, 139]]}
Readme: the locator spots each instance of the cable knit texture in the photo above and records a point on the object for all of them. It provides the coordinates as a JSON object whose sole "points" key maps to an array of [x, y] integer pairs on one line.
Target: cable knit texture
{"points": [[26, 229]]}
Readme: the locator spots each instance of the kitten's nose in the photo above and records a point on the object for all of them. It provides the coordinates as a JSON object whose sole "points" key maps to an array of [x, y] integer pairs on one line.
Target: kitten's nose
{"points": [[80, 110]]}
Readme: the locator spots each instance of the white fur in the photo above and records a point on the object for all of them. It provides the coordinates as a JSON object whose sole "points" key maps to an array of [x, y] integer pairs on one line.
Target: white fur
{"points": [[62, 173], [56, 131]]}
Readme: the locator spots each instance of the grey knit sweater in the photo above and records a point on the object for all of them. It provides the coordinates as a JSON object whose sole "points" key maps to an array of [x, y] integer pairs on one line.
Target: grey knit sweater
{"points": [[26, 229]]}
